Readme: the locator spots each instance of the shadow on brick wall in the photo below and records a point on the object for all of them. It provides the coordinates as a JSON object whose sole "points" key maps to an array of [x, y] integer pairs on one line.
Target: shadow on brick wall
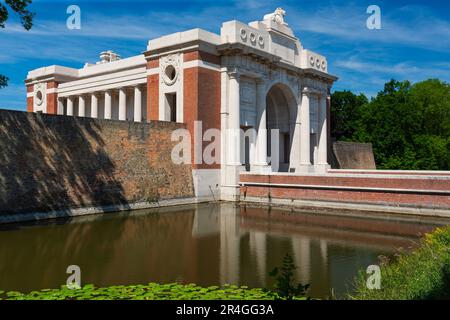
{"points": [[54, 163]]}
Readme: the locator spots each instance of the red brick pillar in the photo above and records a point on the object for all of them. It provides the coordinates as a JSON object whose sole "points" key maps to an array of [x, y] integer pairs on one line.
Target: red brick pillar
{"points": [[30, 100], [52, 98], [153, 91], [202, 98]]}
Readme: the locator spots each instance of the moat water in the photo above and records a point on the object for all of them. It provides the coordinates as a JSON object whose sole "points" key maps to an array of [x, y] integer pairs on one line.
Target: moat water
{"points": [[207, 244]]}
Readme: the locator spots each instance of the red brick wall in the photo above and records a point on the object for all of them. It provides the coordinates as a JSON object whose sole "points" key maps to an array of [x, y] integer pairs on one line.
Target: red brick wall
{"points": [[372, 182], [201, 103], [209, 104], [30, 89], [382, 196], [52, 103], [201, 99], [54, 163], [201, 55], [190, 102], [153, 91], [391, 172], [52, 98], [153, 63], [153, 97], [52, 85], [30, 103]]}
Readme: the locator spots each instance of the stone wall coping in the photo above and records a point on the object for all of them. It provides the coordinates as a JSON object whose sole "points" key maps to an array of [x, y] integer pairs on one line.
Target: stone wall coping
{"points": [[335, 187], [354, 175], [412, 172], [181, 39]]}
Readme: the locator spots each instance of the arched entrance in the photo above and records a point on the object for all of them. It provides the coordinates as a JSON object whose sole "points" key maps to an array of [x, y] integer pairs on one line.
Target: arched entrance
{"points": [[281, 112]]}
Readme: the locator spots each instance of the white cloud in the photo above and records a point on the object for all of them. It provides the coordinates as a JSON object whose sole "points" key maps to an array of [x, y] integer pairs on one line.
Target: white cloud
{"points": [[406, 69], [369, 76], [349, 23]]}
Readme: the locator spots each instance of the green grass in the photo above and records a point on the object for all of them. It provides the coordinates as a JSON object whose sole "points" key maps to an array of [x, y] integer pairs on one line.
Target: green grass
{"points": [[152, 291], [421, 275]]}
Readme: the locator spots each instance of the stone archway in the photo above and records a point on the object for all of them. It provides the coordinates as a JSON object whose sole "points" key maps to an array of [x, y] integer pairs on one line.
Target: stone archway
{"points": [[281, 112]]}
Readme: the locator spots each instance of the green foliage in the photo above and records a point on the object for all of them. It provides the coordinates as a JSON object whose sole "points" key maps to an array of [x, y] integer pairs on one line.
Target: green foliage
{"points": [[26, 18], [345, 109], [408, 125], [3, 81], [152, 291], [423, 274], [285, 286], [21, 8], [174, 291]]}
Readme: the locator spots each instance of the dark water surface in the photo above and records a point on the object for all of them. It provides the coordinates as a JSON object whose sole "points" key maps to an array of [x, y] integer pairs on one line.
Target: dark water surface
{"points": [[207, 244]]}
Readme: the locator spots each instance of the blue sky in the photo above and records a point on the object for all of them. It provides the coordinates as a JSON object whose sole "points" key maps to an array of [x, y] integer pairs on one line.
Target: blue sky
{"points": [[413, 44]]}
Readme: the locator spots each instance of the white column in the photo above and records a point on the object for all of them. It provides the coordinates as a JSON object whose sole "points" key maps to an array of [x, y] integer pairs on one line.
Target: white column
{"points": [[224, 125], [137, 104], [60, 109], [322, 153], [81, 106], [94, 105], [295, 159], [70, 106], [108, 104], [305, 159], [234, 151], [122, 104], [261, 139]]}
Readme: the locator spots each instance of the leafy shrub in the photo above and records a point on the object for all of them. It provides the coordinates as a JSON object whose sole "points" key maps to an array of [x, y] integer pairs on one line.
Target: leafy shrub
{"points": [[423, 274]]}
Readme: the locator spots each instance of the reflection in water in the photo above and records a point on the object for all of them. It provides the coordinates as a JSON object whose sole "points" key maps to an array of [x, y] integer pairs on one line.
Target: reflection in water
{"points": [[205, 244]]}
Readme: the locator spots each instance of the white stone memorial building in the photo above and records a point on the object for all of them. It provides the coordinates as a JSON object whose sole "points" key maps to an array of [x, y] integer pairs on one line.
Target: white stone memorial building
{"points": [[255, 76]]}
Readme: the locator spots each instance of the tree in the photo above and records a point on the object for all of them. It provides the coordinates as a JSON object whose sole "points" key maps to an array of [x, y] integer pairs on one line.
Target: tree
{"points": [[387, 123], [432, 141], [407, 124], [26, 19], [345, 113], [21, 8], [3, 81]]}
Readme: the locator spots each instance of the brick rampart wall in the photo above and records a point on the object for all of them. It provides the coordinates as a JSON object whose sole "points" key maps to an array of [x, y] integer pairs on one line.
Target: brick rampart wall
{"points": [[392, 190], [52, 162]]}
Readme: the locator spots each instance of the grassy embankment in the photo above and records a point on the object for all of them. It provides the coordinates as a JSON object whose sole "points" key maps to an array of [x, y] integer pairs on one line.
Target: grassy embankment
{"points": [[420, 275]]}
